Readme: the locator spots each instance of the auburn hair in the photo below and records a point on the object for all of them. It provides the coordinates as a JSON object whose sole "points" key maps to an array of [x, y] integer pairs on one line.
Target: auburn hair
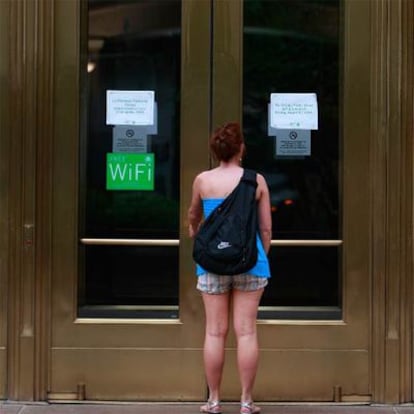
{"points": [[226, 141]]}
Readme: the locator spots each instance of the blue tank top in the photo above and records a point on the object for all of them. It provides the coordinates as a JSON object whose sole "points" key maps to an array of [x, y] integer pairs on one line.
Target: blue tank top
{"points": [[261, 269]]}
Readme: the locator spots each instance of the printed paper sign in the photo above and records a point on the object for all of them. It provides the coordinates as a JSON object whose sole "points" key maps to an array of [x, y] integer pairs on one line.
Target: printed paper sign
{"points": [[129, 107], [293, 142], [129, 171], [271, 132], [153, 128], [129, 139], [293, 111]]}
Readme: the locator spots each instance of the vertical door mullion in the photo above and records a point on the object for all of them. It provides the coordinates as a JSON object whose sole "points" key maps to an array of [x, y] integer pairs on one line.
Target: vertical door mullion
{"points": [[195, 130], [227, 61]]}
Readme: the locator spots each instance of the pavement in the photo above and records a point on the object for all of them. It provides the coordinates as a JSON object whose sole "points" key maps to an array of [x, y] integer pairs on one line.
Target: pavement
{"points": [[193, 408]]}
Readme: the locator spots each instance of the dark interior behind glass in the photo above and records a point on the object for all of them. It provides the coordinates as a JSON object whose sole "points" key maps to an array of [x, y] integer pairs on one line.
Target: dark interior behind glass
{"points": [[288, 47], [294, 47], [131, 45]]}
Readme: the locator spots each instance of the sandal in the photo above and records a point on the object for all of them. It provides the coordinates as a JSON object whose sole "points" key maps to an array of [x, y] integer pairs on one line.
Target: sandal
{"points": [[249, 408], [212, 407]]}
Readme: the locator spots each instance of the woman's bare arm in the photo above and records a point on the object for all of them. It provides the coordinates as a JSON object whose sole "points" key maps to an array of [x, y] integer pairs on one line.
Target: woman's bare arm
{"points": [[195, 212], [264, 213]]}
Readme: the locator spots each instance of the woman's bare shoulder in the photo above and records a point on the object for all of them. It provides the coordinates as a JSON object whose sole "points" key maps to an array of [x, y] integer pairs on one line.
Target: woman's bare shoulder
{"points": [[205, 175], [200, 177], [201, 180], [260, 179], [262, 187]]}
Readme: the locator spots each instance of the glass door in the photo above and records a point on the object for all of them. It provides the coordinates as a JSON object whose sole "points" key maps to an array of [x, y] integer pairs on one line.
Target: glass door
{"points": [[132, 117], [300, 57], [139, 86], [130, 168], [299, 87]]}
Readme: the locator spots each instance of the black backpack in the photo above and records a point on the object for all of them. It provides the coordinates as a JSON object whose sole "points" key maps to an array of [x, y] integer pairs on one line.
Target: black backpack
{"points": [[226, 242]]}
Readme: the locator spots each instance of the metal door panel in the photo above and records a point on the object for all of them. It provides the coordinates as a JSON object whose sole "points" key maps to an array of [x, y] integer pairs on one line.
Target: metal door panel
{"points": [[90, 353], [115, 358], [309, 359]]}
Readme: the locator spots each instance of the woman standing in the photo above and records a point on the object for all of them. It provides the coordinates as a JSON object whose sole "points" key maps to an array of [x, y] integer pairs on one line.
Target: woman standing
{"points": [[209, 189]]}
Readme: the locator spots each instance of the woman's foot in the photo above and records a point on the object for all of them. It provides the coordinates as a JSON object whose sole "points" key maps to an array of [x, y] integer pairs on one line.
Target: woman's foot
{"points": [[211, 407], [249, 408]]}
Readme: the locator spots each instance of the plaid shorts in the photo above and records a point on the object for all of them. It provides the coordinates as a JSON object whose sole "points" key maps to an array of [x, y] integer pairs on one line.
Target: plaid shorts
{"points": [[216, 284]]}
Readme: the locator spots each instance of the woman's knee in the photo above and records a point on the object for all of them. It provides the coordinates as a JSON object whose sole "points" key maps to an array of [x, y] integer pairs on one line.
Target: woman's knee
{"points": [[243, 328], [217, 330]]}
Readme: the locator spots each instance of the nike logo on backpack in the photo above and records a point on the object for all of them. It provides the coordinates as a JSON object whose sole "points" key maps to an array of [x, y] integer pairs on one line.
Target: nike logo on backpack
{"points": [[223, 245]]}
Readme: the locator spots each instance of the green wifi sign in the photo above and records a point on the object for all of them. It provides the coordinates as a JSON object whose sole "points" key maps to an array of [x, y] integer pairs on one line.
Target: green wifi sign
{"points": [[129, 171]]}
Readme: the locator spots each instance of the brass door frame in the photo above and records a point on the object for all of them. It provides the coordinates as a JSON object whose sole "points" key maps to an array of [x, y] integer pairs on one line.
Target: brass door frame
{"points": [[36, 75], [4, 75], [28, 142], [392, 200]]}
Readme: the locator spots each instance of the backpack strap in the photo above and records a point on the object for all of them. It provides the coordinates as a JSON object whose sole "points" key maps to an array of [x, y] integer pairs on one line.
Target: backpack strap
{"points": [[249, 177]]}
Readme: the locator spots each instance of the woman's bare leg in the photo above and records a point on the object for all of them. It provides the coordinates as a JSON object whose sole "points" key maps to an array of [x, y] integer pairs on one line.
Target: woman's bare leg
{"points": [[217, 317], [245, 306]]}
